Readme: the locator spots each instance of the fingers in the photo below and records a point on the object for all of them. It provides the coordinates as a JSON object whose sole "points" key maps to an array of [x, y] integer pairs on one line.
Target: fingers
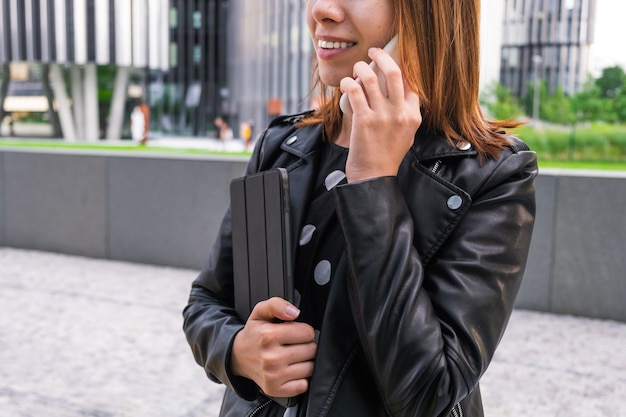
{"points": [[273, 323], [263, 344], [294, 381], [274, 309], [375, 84], [267, 335], [382, 126], [277, 356], [353, 87], [288, 360], [285, 373]]}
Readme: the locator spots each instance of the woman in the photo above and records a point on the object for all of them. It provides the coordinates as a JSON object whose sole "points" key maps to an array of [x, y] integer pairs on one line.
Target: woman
{"points": [[413, 218]]}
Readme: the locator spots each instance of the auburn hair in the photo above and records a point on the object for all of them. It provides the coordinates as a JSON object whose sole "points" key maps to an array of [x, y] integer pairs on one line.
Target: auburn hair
{"points": [[439, 49]]}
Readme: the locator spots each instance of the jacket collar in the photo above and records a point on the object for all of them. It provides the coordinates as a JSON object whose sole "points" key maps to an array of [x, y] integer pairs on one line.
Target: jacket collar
{"points": [[303, 141], [426, 146], [429, 145]]}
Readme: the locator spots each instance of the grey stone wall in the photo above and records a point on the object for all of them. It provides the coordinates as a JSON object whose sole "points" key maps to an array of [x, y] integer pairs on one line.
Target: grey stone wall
{"points": [[157, 210], [2, 181], [166, 210], [577, 263]]}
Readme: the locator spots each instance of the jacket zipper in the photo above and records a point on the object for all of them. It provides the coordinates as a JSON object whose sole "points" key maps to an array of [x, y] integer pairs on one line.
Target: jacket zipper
{"points": [[259, 408], [436, 166], [457, 411]]}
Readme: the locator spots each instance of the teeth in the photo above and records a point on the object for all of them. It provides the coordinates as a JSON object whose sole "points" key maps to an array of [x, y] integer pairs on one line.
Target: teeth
{"points": [[334, 45]]}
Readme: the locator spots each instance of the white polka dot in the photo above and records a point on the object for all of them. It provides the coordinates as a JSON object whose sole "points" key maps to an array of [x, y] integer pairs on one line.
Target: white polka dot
{"points": [[333, 179], [322, 273], [307, 234]]}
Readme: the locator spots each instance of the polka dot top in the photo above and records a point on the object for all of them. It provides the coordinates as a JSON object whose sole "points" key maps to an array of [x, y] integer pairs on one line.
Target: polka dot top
{"points": [[321, 240]]}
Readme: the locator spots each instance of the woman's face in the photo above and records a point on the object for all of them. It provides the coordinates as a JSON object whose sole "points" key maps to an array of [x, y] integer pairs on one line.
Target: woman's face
{"points": [[343, 31]]}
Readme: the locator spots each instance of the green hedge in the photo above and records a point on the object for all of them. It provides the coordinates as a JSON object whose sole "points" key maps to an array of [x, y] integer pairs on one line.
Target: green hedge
{"points": [[597, 142]]}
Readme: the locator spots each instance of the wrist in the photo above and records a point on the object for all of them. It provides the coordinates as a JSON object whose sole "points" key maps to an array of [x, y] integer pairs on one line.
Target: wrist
{"points": [[235, 367]]}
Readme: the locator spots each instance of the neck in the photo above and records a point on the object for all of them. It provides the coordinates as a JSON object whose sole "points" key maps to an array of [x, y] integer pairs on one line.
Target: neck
{"points": [[343, 136]]}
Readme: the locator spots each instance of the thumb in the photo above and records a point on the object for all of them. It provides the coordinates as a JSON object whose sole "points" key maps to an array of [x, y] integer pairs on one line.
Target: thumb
{"points": [[273, 309]]}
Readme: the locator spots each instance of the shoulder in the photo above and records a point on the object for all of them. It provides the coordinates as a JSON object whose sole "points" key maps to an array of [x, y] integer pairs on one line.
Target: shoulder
{"points": [[290, 119], [459, 164], [275, 140], [515, 163], [280, 128], [516, 144]]}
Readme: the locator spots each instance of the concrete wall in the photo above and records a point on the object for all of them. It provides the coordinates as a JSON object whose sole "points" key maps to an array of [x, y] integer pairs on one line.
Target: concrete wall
{"points": [[157, 210], [577, 262], [166, 210]]}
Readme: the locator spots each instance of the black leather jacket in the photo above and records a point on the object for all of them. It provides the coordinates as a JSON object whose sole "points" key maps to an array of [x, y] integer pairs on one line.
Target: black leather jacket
{"points": [[433, 262]]}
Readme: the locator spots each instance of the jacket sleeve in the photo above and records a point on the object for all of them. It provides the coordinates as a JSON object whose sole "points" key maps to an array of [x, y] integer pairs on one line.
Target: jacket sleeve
{"points": [[430, 330], [210, 320]]}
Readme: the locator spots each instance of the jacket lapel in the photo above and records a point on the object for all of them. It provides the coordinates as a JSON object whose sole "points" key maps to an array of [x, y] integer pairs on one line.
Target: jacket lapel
{"points": [[436, 204], [436, 207], [303, 149]]}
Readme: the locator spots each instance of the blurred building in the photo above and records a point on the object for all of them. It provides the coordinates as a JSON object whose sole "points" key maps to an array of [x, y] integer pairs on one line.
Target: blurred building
{"points": [[270, 59], [548, 40], [93, 60], [191, 60], [492, 12], [195, 90], [245, 61], [65, 43]]}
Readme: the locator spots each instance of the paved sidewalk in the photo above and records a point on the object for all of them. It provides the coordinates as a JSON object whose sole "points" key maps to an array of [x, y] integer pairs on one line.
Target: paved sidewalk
{"points": [[84, 337]]}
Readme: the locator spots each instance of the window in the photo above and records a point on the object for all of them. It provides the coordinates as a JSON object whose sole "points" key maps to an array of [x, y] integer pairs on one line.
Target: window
{"points": [[197, 54], [173, 55], [197, 19], [173, 18]]}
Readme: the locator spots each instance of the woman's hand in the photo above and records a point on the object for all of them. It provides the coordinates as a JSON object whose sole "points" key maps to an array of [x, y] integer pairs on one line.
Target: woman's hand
{"points": [[383, 126], [274, 351]]}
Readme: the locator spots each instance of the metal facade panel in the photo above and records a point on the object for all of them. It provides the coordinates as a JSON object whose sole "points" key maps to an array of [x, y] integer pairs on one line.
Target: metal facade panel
{"points": [[60, 31], [5, 38]]}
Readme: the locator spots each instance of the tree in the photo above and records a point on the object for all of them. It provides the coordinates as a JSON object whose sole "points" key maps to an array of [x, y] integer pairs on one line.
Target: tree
{"points": [[557, 108], [529, 99], [619, 106], [611, 82], [588, 103], [500, 102]]}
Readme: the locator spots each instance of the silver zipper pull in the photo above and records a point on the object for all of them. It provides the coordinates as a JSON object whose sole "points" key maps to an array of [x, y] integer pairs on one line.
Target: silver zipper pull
{"points": [[436, 166]]}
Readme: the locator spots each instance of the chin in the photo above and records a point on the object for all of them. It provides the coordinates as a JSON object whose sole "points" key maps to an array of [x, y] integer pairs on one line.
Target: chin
{"points": [[331, 80]]}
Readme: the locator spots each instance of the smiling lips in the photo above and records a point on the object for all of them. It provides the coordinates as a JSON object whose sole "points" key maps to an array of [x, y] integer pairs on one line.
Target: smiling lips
{"points": [[334, 45]]}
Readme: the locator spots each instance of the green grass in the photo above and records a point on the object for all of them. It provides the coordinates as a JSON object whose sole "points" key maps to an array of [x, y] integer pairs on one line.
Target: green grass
{"points": [[595, 146], [598, 147], [590, 165], [130, 147]]}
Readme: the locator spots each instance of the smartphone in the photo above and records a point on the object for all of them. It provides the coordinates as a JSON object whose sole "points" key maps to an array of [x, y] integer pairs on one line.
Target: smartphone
{"points": [[392, 49]]}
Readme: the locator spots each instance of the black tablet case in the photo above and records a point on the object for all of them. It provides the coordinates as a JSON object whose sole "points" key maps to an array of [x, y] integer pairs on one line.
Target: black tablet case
{"points": [[262, 262]]}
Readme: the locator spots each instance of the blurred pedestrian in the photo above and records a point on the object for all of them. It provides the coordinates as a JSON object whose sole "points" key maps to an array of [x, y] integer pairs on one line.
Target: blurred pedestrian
{"points": [[246, 133], [224, 131], [140, 122]]}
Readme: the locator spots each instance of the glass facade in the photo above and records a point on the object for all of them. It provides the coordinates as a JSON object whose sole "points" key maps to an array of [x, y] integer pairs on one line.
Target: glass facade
{"points": [[241, 60], [79, 46], [185, 99], [548, 40], [270, 58]]}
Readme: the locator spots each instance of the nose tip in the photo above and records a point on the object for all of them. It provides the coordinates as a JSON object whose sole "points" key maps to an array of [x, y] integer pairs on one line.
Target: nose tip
{"points": [[326, 10]]}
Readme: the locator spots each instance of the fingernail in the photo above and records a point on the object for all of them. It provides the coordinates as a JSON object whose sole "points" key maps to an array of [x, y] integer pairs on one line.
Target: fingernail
{"points": [[292, 311]]}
